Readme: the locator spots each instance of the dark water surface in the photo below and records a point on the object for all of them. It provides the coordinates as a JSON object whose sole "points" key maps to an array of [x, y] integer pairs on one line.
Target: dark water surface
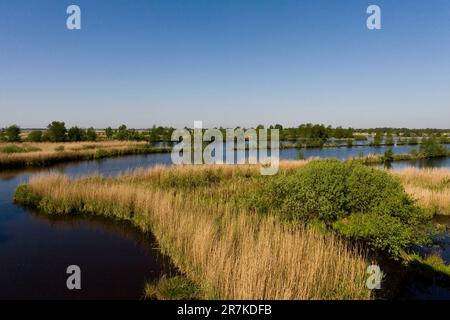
{"points": [[115, 258]]}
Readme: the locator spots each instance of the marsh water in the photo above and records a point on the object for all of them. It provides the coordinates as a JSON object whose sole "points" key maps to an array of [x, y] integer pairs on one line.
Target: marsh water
{"points": [[115, 258]]}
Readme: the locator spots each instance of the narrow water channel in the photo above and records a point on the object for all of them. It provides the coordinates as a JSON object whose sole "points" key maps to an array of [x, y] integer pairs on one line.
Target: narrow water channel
{"points": [[35, 250]]}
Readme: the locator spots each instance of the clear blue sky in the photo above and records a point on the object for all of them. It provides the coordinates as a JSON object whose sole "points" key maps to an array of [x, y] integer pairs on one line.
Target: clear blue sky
{"points": [[226, 62]]}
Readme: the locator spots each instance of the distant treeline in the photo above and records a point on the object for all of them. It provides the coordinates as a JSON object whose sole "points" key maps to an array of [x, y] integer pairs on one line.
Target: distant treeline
{"points": [[405, 132], [310, 135], [57, 132]]}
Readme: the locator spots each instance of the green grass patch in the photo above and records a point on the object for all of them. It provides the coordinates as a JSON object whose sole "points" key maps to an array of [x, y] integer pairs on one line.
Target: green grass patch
{"points": [[18, 149], [25, 196], [432, 269], [173, 288]]}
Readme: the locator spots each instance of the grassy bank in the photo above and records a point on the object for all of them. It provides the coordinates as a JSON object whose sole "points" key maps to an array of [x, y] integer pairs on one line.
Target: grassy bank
{"points": [[197, 216], [44, 154], [374, 159]]}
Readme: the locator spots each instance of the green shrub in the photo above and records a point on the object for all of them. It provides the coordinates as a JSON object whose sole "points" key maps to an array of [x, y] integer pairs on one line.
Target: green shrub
{"points": [[91, 134], [430, 148], [388, 155], [378, 139], [381, 231], [330, 189], [76, 134], [389, 140], [357, 201], [56, 131], [369, 189], [12, 133], [349, 143], [35, 136], [315, 192]]}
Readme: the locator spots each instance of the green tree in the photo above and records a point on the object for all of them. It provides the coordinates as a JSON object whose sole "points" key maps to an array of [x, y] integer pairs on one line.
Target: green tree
{"points": [[56, 131], [122, 133], [349, 143], [378, 140], [389, 139], [153, 135], [91, 134], [278, 126], [35, 136], [12, 133], [2, 135], [388, 155], [109, 133], [430, 148], [76, 134]]}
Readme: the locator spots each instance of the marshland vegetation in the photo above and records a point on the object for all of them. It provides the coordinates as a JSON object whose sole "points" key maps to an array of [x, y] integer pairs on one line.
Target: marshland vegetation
{"points": [[430, 187], [14, 155], [236, 235], [227, 250], [34, 148]]}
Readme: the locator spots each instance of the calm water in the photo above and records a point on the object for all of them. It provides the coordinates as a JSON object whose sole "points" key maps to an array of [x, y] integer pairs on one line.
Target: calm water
{"points": [[115, 258], [344, 153], [35, 250]]}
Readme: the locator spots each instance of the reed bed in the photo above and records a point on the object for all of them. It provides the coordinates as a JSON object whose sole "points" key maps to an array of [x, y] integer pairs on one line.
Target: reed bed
{"points": [[228, 252], [430, 187], [50, 153]]}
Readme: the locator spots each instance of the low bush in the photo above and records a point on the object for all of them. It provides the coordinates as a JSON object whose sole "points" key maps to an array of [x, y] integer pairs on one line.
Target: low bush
{"points": [[388, 155], [357, 201], [382, 232]]}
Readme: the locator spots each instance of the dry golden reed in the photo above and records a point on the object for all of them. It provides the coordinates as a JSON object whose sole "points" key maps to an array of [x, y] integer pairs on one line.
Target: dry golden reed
{"points": [[48, 153], [430, 187]]}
